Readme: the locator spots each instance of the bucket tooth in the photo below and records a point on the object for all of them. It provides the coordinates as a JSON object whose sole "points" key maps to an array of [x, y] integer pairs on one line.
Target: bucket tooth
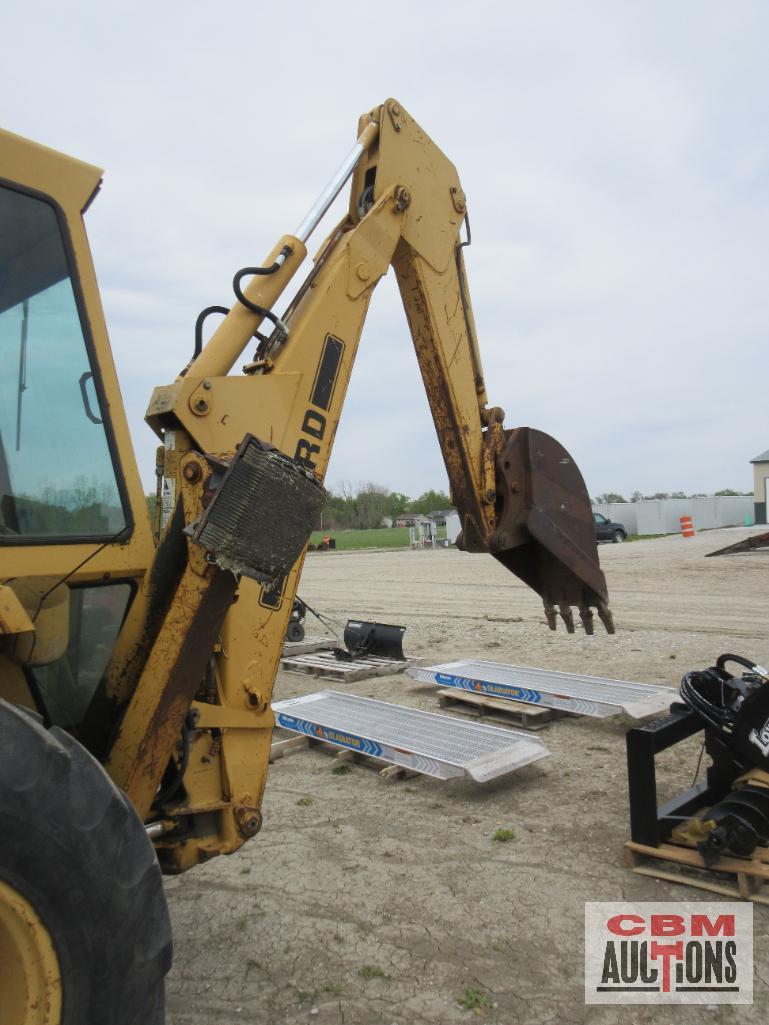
{"points": [[606, 617], [567, 616], [586, 615]]}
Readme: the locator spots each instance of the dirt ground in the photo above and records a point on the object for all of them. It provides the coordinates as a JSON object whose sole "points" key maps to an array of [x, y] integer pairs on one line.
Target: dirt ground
{"points": [[366, 902]]}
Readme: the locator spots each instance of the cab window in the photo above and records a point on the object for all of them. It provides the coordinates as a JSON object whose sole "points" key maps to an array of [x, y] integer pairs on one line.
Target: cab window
{"points": [[57, 477], [66, 686]]}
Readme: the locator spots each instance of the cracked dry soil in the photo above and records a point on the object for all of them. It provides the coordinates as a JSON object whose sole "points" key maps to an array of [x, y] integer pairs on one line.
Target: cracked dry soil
{"points": [[364, 902]]}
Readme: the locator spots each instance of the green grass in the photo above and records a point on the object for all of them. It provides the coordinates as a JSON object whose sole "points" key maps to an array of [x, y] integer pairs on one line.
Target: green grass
{"points": [[503, 835], [379, 537], [372, 971], [341, 770], [473, 999]]}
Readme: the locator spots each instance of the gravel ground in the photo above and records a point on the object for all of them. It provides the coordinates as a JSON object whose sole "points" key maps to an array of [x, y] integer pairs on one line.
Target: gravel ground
{"points": [[366, 902]]}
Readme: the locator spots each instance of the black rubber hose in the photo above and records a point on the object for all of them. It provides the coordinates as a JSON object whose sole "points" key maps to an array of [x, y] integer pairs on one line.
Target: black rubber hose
{"points": [[247, 272], [692, 686], [244, 301], [739, 659], [199, 326]]}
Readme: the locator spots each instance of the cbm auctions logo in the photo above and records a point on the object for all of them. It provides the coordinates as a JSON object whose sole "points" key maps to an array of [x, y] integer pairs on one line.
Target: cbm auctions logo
{"points": [[685, 952]]}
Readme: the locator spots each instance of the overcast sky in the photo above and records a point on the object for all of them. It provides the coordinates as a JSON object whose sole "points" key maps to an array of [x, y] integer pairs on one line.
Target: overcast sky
{"points": [[615, 158]]}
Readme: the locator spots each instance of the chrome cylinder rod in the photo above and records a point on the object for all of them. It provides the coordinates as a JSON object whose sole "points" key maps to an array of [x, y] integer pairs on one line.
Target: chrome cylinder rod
{"points": [[334, 187], [156, 829]]}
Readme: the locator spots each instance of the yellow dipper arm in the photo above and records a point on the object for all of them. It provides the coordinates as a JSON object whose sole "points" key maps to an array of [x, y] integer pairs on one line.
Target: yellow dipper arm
{"points": [[518, 493]]}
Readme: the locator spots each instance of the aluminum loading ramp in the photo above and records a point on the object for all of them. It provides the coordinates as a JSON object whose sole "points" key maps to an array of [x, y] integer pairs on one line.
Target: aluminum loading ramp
{"points": [[436, 745], [582, 695]]}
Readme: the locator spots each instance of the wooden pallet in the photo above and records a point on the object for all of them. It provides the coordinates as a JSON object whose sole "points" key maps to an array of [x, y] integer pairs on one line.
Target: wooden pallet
{"points": [[324, 664], [519, 713], [309, 644], [745, 877], [281, 748]]}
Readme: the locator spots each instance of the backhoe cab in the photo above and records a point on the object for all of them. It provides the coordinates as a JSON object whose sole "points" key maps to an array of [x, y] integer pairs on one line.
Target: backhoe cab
{"points": [[155, 664]]}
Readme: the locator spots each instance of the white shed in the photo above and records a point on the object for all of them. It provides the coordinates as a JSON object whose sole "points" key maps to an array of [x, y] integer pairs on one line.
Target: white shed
{"points": [[453, 527]]}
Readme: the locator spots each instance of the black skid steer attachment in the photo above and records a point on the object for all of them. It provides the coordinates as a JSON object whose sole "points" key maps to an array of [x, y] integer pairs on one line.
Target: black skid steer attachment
{"points": [[364, 638]]}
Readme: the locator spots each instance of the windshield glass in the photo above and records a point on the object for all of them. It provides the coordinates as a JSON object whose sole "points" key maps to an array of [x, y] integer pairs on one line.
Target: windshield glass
{"points": [[57, 478], [67, 685]]}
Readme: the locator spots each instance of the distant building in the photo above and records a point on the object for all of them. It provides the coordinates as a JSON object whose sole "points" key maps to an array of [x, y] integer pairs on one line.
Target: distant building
{"points": [[438, 516], [761, 486], [410, 520], [453, 526]]}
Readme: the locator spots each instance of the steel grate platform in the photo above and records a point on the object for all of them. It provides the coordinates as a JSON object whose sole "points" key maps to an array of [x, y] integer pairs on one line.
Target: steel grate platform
{"points": [[436, 745], [582, 695]]}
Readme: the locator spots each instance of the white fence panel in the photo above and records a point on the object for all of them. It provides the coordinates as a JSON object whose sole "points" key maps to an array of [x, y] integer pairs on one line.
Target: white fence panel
{"points": [[731, 510], [662, 515]]}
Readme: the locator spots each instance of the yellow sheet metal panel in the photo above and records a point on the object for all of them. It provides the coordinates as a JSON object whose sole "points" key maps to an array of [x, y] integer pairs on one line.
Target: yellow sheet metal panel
{"points": [[68, 180], [14, 618], [407, 158], [15, 689], [46, 601]]}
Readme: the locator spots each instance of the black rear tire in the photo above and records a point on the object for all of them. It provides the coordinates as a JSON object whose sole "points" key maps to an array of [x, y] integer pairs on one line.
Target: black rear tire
{"points": [[73, 845]]}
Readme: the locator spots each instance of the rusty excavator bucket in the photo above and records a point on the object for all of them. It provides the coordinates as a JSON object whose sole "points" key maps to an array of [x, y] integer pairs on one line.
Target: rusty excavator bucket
{"points": [[545, 532]]}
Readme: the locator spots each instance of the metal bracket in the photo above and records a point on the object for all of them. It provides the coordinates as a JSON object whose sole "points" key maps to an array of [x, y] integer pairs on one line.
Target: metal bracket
{"points": [[649, 824], [200, 399], [459, 199], [396, 114]]}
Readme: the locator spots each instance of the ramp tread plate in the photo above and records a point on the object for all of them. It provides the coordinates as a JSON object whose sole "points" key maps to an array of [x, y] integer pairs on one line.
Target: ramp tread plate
{"points": [[569, 692], [436, 745]]}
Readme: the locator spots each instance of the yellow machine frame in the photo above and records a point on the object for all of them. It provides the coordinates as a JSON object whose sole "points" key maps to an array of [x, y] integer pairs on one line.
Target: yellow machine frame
{"points": [[407, 210]]}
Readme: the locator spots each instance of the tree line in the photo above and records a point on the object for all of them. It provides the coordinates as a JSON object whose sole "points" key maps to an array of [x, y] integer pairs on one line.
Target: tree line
{"points": [[637, 496], [365, 506]]}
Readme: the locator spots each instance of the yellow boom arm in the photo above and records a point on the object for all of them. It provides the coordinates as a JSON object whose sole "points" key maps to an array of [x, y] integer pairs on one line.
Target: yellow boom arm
{"points": [[518, 494]]}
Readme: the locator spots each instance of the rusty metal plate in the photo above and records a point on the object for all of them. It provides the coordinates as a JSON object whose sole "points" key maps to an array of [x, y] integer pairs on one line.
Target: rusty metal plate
{"points": [[261, 514]]}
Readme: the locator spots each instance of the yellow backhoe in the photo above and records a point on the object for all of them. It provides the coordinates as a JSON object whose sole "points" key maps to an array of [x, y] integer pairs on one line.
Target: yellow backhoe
{"points": [[135, 676]]}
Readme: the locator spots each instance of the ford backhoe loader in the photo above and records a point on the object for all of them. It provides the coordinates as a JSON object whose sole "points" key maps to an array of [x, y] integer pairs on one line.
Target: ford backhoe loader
{"points": [[135, 675]]}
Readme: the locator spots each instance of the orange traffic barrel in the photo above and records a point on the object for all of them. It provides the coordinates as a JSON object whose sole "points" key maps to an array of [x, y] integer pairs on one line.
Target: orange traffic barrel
{"points": [[687, 527]]}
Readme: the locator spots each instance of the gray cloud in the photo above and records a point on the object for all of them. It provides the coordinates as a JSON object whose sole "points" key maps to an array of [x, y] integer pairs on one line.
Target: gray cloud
{"points": [[616, 168]]}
